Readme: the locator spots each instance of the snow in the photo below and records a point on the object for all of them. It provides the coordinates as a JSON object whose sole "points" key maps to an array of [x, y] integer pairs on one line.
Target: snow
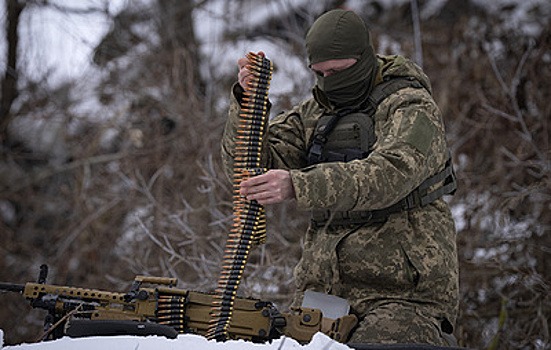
{"points": [[59, 44], [211, 26], [186, 341]]}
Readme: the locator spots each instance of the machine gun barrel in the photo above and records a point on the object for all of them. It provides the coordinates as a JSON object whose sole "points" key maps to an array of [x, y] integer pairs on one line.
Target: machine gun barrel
{"points": [[11, 287]]}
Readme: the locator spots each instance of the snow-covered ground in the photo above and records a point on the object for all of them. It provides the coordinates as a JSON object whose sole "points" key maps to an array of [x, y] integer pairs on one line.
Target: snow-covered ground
{"points": [[187, 341]]}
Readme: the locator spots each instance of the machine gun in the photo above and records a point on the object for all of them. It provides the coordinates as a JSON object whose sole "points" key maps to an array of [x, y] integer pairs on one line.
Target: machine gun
{"points": [[153, 306]]}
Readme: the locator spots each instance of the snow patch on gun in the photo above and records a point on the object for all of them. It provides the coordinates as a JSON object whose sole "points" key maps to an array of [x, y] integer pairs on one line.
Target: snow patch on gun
{"points": [[153, 306]]}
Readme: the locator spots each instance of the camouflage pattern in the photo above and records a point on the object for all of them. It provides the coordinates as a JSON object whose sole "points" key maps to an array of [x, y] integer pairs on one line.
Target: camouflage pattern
{"points": [[400, 276], [398, 322]]}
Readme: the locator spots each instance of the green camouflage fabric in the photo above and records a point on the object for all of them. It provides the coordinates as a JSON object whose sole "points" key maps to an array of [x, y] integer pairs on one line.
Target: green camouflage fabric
{"points": [[401, 276]]}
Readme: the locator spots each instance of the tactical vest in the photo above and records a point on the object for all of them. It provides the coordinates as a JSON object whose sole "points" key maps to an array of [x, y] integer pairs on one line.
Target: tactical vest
{"points": [[349, 135]]}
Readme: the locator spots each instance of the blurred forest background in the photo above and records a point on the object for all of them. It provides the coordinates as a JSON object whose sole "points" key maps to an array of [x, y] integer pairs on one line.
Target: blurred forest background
{"points": [[116, 172]]}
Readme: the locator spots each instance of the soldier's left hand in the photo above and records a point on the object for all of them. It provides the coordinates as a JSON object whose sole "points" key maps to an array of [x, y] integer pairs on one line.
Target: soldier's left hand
{"points": [[275, 186]]}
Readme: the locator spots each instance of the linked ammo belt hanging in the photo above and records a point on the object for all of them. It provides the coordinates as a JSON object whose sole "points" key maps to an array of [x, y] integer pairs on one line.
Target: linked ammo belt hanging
{"points": [[249, 226]]}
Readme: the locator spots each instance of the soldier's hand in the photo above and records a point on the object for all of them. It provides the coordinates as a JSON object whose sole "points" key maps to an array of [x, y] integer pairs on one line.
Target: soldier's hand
{"points": [[275, 186], [245, 75]]}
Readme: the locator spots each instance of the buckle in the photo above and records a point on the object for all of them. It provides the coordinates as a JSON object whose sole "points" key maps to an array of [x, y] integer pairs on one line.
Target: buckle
{"points": [[412, 200], [367, 215]]}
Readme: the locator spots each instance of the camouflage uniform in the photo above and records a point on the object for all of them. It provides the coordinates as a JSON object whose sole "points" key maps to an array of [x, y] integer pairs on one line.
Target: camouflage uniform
{"points": [[399, 273], [400, 276]]}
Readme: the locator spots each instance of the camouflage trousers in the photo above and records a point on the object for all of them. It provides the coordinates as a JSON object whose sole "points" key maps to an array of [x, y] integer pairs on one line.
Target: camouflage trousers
{"points": [[400, 322], [400, 277]]}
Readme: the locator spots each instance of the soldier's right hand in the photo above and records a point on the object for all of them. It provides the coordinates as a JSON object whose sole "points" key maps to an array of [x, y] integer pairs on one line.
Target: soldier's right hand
{"points": [[244, 76]]}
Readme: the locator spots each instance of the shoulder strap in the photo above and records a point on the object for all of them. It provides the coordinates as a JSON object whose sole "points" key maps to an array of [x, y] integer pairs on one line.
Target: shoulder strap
{"points": [[388, 87]]}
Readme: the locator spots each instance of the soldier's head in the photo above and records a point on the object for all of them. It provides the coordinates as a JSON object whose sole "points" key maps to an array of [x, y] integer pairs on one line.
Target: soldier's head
{"points": [[341, 54]]}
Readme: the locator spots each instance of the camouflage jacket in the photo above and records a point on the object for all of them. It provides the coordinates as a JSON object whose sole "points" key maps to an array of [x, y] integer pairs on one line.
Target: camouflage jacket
{"points": [[410, 147], [410, 257]]}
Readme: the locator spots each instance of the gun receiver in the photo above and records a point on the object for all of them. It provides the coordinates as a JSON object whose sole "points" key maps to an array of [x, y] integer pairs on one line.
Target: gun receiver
{"points": [[162, 309]]}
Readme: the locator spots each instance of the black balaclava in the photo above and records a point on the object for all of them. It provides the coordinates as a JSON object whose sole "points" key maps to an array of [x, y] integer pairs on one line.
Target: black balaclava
{"points": [[339, 34]]}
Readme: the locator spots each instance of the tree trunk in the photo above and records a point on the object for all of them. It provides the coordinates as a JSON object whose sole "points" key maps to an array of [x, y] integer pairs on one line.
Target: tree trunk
{"points": [[176, 22], [9, 81]]}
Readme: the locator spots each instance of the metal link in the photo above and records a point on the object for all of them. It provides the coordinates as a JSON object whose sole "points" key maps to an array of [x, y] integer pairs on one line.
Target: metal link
{"points": [[249, 226]]}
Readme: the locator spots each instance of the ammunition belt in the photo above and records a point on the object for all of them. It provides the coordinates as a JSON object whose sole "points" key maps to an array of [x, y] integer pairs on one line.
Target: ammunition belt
{"points": [[249, 227]]}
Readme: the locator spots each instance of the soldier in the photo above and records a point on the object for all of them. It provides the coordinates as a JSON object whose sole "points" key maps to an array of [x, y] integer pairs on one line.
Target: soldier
{"points": [[367, 156]]}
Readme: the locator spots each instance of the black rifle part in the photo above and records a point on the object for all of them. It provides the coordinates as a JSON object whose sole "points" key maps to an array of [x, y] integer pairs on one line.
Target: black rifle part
{"points": [[77, 328], [10, 287]]}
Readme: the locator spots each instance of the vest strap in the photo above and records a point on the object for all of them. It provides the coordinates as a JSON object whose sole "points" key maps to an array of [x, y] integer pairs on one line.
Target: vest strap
{"points": [[320, 138], [417, 198]]}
